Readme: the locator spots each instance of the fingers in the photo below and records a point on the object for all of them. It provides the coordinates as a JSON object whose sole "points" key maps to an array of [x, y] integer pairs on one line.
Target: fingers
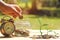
{"points": [[19, 10]]}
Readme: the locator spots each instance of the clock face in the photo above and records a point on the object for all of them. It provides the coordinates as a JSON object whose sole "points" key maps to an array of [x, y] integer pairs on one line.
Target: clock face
{"points": [[9, 28]]}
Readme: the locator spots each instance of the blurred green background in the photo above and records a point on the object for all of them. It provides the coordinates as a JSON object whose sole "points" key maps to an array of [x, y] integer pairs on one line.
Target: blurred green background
{"points": [[46, 11]]}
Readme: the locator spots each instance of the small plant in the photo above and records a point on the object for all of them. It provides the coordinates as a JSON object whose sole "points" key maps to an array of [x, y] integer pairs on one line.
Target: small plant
{"points": [[42, 26]]}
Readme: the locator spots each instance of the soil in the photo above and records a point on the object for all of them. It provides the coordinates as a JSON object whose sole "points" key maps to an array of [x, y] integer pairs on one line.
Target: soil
{"points": [[45, 36]]}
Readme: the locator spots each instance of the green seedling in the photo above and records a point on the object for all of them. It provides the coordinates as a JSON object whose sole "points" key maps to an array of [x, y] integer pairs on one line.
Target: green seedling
{"points": [[42, 26]]}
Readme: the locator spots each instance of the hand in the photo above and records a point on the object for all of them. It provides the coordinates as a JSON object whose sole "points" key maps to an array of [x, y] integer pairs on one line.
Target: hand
{"points": [[11, 9]]}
